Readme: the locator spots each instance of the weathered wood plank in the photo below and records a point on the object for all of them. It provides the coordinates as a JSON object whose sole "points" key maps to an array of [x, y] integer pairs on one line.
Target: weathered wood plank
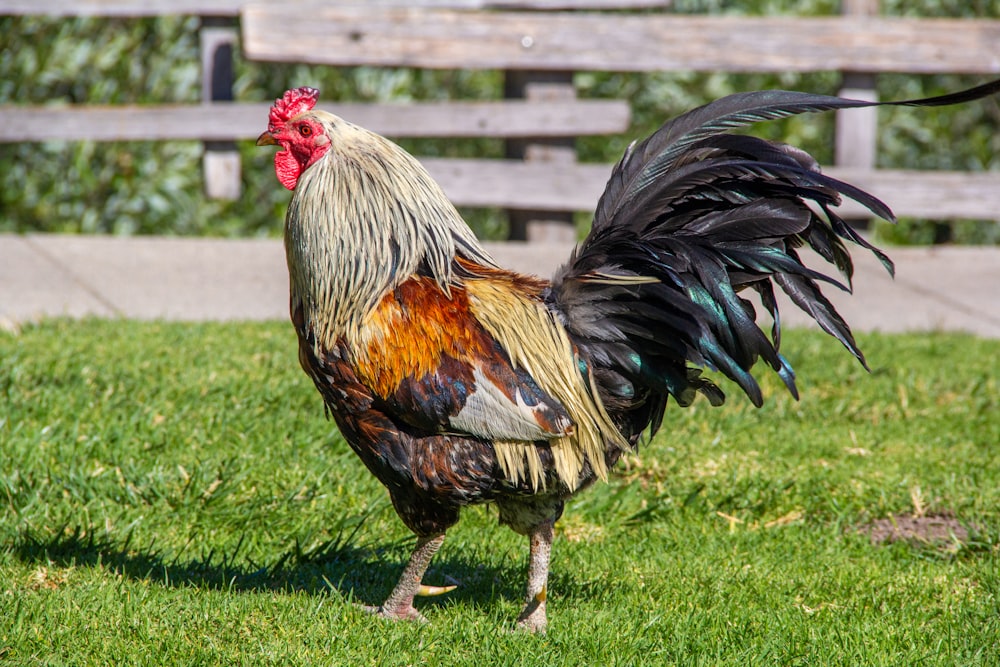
{"points": [[577, 41], [856, 135], [514, 184], [857, 129], [540, 87], [220, 162], [221, 122], [136, 8], [926, 194], [121, 8]]}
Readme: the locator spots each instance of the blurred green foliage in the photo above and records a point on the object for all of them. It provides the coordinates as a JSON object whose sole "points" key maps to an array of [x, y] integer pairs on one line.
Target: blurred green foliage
{"points": [[156, 187]]}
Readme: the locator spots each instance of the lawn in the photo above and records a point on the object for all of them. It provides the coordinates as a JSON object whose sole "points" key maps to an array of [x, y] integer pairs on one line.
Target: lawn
{"points": [[171, 494]]}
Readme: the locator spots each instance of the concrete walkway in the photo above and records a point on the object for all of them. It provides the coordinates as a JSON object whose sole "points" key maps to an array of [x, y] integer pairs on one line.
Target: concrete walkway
{"points": [[940, 288]]}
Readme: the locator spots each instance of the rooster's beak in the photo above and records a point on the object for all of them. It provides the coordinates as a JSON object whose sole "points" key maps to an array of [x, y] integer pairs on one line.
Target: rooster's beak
{"points": [[265, 139]]}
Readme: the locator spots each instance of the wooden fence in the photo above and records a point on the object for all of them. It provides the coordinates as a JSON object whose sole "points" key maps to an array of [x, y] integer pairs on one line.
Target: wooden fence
{"points": [[539, 48]]}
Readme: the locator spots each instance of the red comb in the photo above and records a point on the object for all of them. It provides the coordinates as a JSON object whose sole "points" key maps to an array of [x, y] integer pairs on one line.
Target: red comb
{"points": [[291, 104]]}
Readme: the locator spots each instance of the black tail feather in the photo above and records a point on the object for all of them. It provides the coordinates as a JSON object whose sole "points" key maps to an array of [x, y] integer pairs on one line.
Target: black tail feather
{"points": [[805, 294], [689, 217]]}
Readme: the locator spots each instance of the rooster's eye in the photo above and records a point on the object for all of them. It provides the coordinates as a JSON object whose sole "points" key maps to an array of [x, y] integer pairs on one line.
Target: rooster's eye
{"points": [[305, 130]]}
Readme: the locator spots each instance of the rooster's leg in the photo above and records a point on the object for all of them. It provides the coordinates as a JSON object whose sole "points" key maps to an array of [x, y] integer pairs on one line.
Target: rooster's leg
{"points": [[532, 617], [399, 605]]}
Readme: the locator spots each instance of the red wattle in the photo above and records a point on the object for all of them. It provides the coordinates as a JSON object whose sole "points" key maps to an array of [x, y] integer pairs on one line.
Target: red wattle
{"points": [[287, 168]]}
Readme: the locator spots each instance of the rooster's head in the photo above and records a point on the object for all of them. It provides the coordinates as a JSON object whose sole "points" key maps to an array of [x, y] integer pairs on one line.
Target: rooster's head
{"points": [[302, 136]]}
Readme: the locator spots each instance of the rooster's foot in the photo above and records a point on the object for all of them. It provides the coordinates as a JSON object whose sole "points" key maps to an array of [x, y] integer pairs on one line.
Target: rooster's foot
{"points": [[405, 611], [533, 618], [399, 605], [401, 613]]}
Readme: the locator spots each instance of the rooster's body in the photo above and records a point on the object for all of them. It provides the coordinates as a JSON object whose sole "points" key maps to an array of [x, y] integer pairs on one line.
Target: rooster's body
{"points": [[457, 382]]}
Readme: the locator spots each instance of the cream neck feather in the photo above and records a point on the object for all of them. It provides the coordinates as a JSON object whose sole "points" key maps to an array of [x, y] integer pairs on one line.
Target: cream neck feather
{"points": [[364, 218]]}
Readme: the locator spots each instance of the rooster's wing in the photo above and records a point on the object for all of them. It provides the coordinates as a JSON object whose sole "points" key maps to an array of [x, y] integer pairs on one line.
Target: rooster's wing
{"points": [[435, 367]]}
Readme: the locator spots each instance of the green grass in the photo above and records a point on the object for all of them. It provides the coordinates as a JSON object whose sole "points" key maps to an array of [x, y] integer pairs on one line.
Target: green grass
{"points": [[170, 494]]}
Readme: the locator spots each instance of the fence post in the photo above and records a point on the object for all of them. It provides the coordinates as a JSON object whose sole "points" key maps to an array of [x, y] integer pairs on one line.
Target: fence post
{"points": [[857, 129], [221, 159], [541, 87]]}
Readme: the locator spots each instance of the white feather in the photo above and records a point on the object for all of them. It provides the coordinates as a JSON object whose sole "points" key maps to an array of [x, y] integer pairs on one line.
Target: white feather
{"points": [[489, 413]]}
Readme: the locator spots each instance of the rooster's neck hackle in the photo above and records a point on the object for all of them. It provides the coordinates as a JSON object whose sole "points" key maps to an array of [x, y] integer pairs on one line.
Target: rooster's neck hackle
{"points": [[364, 218]]}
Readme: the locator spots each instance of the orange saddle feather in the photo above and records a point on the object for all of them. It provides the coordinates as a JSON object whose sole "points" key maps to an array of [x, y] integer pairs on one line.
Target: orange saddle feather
{"points": [[430, 359]]}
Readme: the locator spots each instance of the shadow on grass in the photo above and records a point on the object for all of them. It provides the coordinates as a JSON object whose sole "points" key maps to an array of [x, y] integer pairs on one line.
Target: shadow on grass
{"points": [[358, 573]]}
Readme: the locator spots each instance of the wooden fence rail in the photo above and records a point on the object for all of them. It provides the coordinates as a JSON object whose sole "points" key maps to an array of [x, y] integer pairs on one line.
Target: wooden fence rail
{"points": [[539, 51], [229, 121], [445, 38]]}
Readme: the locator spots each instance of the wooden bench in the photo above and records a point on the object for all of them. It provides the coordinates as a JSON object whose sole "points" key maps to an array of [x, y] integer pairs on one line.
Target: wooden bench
{"points": [[539, 51]]}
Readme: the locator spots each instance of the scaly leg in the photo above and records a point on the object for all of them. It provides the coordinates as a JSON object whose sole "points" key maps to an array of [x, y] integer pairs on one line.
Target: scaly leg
{"points": [[399, 605], [533, 617]]}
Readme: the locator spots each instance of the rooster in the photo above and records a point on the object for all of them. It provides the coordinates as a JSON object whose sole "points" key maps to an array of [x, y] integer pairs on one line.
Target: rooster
{"points": [[458, 382]]}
